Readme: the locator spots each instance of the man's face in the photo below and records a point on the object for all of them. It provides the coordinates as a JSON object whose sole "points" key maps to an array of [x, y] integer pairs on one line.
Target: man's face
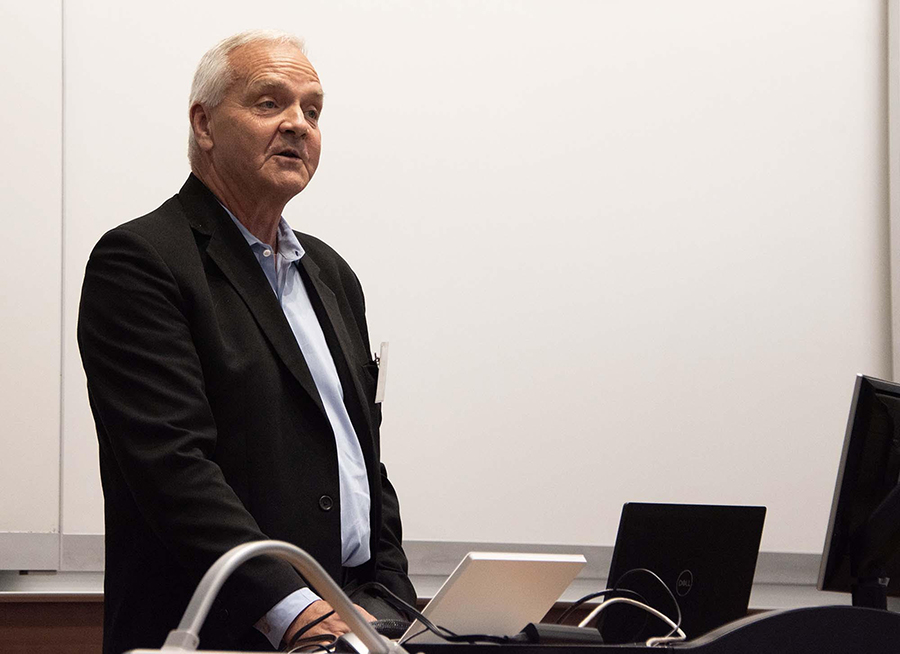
{"points": [[265, 132]]}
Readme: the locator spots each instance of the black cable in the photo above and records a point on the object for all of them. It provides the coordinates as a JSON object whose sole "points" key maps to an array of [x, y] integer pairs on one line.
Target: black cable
{"points": [[569, 611], [403, 607], [450, 637], [312, 644], [439, 631], [296, 644], [418, 633], [465, 638], [479, 638], [442, 632], [668, 590], [309, 625], [387, 594]]}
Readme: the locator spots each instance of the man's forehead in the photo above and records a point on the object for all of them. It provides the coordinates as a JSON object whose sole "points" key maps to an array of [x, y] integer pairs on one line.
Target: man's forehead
{"points": [[262, 64]]}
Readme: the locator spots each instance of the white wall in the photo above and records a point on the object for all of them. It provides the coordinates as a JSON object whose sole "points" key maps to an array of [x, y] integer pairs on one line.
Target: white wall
{"points": [[30, 278], [622, 251]]}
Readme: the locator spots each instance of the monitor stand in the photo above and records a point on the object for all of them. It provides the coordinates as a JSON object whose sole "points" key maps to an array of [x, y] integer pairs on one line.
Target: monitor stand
{"points": [[870, 592]]}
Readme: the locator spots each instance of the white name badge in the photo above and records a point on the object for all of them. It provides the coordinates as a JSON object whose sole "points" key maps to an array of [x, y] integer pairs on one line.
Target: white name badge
{"points": [[381, 360]]}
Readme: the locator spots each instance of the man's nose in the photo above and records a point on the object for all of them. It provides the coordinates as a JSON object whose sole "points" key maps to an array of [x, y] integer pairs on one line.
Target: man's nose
{"points": [[294, 121]]}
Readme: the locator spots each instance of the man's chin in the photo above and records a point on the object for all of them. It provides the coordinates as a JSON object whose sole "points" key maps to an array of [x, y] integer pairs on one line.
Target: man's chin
{"points": [[289, 185]]}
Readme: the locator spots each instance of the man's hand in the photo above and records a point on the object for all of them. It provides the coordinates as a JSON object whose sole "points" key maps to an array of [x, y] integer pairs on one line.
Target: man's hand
{"points": [[333, 624]]}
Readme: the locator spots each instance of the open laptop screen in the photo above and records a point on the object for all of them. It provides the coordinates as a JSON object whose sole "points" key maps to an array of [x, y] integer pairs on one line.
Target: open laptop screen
{"points": [[705, 554], [497, 593]]}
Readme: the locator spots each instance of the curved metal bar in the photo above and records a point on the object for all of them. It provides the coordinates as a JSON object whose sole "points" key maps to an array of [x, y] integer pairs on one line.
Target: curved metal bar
{"points": [[186, 637]]}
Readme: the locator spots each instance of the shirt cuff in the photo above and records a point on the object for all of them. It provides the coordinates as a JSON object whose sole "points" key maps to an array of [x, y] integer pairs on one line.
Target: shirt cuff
{"points": [[274, 623]]}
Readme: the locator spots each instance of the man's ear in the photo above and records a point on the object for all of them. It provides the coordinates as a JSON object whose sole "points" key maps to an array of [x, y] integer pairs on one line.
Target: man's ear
{"points": [[200, 126]]}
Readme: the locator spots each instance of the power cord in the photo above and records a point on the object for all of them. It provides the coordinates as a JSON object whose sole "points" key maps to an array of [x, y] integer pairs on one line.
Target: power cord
{"points": [[665, 587], [401, 606], [662, 616], [674, 635], [587, 598], [442, 632]]}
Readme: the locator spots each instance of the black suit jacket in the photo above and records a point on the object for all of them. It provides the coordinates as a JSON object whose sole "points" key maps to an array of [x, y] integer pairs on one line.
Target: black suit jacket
{"points": [[211, 430]]}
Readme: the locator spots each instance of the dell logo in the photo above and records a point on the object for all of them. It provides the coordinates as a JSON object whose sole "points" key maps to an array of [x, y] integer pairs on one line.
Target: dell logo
{"points": [[684, 583]]}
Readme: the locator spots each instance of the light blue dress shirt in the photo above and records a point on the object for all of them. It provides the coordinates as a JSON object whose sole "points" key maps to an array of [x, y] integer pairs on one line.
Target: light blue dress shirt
{"points": [[281, 270]]}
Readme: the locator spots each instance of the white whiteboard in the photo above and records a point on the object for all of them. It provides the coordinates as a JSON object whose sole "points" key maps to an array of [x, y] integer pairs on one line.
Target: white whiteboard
{"points": [[622, 251]]}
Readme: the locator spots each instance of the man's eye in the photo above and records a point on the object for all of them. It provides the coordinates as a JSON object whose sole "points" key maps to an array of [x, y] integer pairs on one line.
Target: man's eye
{"points": [[267, 104], [312, 114]]}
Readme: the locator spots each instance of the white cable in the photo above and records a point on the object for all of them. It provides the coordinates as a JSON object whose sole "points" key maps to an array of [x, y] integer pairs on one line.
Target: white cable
{"points": [[625, 600]]}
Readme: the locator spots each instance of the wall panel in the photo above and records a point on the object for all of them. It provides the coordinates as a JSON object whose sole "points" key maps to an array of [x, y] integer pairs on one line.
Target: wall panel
{"points": [[622, 251]]}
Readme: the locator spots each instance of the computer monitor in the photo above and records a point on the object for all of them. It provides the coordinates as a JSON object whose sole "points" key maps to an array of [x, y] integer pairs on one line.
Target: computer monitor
{"points": [[862, 546]]}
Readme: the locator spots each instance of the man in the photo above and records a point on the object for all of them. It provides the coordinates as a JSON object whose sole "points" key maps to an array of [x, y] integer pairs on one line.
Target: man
{"points": [[230, 379]]}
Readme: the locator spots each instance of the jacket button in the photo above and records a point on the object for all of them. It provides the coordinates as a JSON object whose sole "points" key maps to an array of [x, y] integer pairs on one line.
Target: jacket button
{"points": [[325, 503]]}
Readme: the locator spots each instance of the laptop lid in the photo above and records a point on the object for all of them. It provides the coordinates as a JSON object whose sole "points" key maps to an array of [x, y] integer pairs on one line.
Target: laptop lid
{"points": [[497, 594], [705, 554]]}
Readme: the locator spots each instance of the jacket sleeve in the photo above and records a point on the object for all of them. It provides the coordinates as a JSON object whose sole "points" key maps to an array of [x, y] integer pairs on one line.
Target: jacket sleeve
{"points": [[147, 392], [392, 568]]}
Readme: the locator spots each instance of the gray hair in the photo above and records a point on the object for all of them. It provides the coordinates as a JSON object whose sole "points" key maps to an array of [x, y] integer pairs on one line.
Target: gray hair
{"points": [[215, 73]]}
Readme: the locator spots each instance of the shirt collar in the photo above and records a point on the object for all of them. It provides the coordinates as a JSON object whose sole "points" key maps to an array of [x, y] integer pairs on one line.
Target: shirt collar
{"points": [[289, 247]]}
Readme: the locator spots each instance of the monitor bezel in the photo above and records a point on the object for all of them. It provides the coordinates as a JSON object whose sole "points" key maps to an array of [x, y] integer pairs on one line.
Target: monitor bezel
{"points": [[834, 573]]}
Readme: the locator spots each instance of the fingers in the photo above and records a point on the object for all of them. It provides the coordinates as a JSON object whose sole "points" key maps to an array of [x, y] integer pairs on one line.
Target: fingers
{"points": [[368, 617], [330, 625], [314, 621]]}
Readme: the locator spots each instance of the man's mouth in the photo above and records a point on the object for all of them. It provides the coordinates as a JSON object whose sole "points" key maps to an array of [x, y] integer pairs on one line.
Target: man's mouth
{"points": [[288, 152]]}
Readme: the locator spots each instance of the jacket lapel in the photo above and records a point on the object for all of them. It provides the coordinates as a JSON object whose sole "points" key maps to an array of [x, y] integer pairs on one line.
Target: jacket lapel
{"points": [[338, 338], [228, 249]]}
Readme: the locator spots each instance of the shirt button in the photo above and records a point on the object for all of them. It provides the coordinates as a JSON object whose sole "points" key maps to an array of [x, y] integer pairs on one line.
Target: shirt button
{"points": [[325, 503], [267, 253]]}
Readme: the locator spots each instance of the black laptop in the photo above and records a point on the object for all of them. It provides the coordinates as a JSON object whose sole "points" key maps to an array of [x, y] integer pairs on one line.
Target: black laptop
{"points": [[705, 554]]}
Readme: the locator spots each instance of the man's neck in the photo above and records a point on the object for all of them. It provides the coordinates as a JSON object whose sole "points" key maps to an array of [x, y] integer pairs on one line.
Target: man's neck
{"points": [[260, 218]]}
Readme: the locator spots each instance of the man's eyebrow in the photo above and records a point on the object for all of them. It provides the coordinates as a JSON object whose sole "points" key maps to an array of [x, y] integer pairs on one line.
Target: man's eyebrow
{"points": [[263, 85]]}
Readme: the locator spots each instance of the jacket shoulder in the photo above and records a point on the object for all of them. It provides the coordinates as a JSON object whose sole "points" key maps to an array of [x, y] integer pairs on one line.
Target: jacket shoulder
{"points": [[333, 269], [327, 258], [164, 230], [320, 251]]}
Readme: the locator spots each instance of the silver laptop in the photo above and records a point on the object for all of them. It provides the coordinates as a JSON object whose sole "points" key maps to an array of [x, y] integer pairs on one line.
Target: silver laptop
{"points": [[497, 594]]}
